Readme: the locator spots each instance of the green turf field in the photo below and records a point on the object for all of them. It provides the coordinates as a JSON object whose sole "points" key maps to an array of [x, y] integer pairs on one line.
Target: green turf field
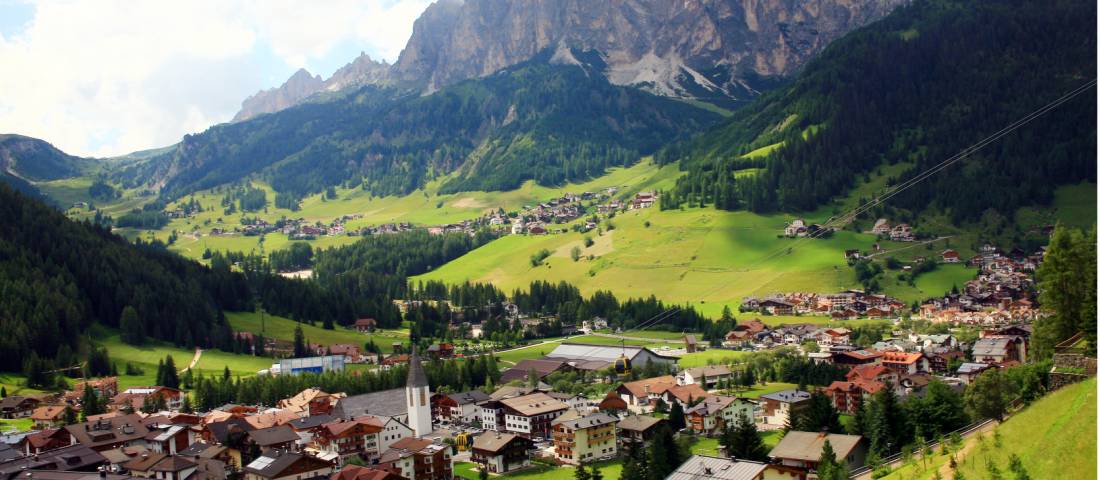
{"points": [[711, 356]]}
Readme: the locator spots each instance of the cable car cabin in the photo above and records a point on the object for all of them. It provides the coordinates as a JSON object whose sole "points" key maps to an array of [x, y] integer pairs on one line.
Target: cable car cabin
{"points": [[462, 441], [622, 366]]}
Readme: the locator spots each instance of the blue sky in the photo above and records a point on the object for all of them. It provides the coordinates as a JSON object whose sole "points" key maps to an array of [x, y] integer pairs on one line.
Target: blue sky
{"points": [[107, 77]]}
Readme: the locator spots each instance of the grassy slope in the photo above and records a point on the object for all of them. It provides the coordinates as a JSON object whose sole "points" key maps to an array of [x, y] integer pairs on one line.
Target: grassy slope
{"points": [[702, 256], [1055, 438], [610, 470], [283, 329], [422, 208]]}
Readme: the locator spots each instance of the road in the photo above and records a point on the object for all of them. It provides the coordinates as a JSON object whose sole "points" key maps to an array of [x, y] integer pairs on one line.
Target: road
{"points": [[194, 360]]}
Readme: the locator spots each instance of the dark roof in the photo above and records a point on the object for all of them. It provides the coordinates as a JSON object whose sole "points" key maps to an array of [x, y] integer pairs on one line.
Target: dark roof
{"points": [[273, 436], [639, 423], [417, 377], [542, 368], [109, 431], [173, 464], [73, 457], [496, 441], [221, 430], [473, 396], [202, 450], [311, 421], [272, 464], [8, 453], [145, 462], [387, 403], [66, 475]]}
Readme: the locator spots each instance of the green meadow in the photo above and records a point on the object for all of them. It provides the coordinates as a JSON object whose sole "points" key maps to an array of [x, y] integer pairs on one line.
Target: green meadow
{"points": [[282, 328]]}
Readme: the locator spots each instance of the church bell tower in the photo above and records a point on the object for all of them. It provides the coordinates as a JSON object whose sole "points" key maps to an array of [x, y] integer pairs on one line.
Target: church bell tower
{"points": [[417, 396]]}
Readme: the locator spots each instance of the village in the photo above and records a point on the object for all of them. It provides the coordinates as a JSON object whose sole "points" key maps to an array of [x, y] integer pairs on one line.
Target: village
{"points": [[540, 219]]}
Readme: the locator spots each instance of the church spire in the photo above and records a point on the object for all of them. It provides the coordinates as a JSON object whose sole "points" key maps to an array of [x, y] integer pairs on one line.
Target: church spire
{"points": [[417, 377]]}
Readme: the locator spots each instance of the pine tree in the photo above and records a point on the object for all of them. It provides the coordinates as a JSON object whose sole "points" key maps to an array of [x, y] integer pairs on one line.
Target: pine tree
{"points": [[676, 417], [186, 407], [595, 473], [581, 473], [301, 350], [636, 464], [483, 473], [171, 376], [132, 329], [3, 392], [743, 441], [70, 415], [664, 454], [89, 403], [827, 467]]}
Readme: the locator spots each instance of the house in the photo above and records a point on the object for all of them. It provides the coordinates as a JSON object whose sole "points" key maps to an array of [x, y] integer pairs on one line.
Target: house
{"points": [[882, 227], [857, 357], [108, 433], [851, 254], [834, 336], [999, 349], [847, 396], [356, 472], [776, 307], [49, 416], [365, 325], [737, 339], [690, 344], [703, 467], [585, 439], [501, 452], [134, 398], [949, 256], [168, 439], [418, 459], [384, 404], [74, 458], [715, 413], [905, 363], [708, 377], [802, 450], [342, 439], [531, 415], [351, 353], [281, 437], [161, 466], [639, 429], [311, 401], [459, 407], [105, 387], [877, 373], [797, 228], [641, 395], [778, 406], [44, 440], [277, 465], [441, 350], [902, 232], [613, 404], [967, 372], [17, 406], [753, 326], [685, 395]]}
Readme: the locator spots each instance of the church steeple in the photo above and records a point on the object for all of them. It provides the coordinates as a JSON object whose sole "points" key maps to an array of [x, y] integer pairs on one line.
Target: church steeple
{"points": [[418, 394]]}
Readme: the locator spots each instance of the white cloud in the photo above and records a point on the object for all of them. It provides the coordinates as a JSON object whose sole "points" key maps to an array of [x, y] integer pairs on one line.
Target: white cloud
{"points": [[109, 77]]}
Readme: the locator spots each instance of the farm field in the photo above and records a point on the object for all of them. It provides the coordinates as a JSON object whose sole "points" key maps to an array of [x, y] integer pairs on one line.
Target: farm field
{"points": [[1055, 437]]}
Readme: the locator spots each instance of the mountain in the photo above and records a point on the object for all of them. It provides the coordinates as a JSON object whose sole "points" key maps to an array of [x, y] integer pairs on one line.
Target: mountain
{"points": [[303, 85], [550, 123], [721, 51], [913, 90], [32, 160]]}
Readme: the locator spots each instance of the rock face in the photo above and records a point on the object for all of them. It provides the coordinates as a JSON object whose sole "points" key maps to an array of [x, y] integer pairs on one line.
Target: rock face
{"points": [[302, 85], [297, 88], [683, 48], [716, 50]]}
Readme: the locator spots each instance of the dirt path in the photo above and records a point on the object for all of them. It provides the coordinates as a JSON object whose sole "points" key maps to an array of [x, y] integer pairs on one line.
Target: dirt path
{"points": [[945, 469], [194, 360]]}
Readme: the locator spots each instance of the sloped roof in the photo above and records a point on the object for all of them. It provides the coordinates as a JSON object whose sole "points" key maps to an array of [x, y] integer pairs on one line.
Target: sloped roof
{"points": [[472, 396], [655, 385], [534, 404], [386, 403], [806, 446], [273, 436], [700, 467], [589, 421], [417, 377], [494, 441], [639, 423]]}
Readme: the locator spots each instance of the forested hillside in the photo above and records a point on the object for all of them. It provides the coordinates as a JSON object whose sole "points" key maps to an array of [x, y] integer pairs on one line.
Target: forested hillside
{"points": [[917, 87], [57, 277], [532, 121]]}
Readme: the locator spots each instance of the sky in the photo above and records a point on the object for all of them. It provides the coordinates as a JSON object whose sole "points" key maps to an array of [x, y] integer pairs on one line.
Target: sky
{"points": [[105, 77]]}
